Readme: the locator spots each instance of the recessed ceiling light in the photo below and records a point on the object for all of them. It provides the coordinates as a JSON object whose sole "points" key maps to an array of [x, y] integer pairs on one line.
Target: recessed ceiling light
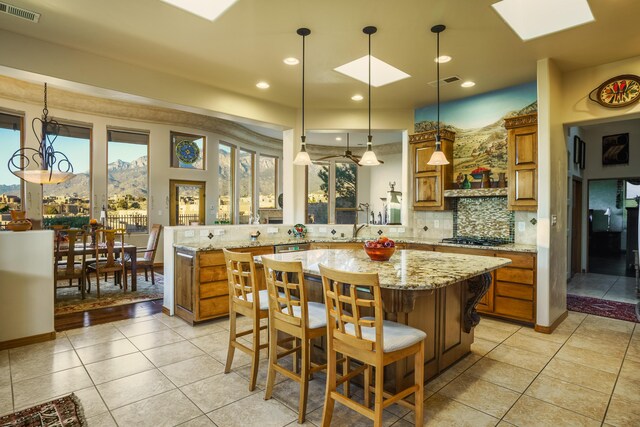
{"points": [[357, 97], [210, 10], [442, 59], [381, 72], [468, 84], [291, 61], [263, 85], [338, 138], [536, 18]]}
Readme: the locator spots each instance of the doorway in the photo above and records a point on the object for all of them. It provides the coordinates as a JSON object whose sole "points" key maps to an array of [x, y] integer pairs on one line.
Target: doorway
{"points": [[576, 228], [186, 202]]}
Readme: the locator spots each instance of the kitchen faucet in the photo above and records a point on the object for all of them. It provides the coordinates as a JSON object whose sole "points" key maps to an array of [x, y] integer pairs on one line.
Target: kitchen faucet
{"points": [[356, 229]]}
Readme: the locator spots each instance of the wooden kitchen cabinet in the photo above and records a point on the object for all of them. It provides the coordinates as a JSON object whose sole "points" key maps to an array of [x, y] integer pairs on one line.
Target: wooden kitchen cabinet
{"points": [[522, 136], [429, 182]]}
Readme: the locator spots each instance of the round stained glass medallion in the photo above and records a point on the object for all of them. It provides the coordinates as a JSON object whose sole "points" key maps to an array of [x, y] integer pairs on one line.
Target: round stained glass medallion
{"points": [[187, 151]]}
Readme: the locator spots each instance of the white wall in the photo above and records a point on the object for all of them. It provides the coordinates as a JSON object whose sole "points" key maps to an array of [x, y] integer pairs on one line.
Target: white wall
{"points": [[390, 171]]}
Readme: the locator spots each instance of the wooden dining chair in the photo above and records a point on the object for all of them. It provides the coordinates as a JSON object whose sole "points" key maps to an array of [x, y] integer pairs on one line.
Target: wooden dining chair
{"points": [[146, 256], [70, 256], [372, 340], [111, 245], [290, 312]]}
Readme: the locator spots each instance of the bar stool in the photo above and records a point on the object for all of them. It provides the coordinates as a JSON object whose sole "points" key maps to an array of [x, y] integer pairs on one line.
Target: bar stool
{"points": [[247, 299], [371, 340], [297, 317]]}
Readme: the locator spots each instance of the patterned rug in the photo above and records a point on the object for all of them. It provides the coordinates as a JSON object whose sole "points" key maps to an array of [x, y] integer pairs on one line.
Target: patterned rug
{"points": [[64, 412], [604, 308], [69, 300]]}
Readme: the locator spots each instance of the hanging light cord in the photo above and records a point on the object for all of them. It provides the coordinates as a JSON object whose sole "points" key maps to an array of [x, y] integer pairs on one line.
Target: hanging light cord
{"points": [[303, 69], [438, 87], [369, 88]]}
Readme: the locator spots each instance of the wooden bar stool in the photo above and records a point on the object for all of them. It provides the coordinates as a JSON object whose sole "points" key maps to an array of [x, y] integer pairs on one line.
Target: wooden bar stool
{"points": [[291, 313], [372, 340], [247, 299]]}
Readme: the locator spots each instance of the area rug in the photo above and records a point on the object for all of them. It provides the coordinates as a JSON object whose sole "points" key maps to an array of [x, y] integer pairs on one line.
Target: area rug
{"points": [[604, 308], [69, 300], [64, 412]]}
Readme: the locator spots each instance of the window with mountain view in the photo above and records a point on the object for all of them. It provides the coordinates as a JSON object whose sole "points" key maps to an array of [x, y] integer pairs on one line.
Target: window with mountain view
{"points": [[318, 193], [226, 155], [10, 186], [69, 202], [346, 193], [245, 181], [267, 182], [127, 185]]}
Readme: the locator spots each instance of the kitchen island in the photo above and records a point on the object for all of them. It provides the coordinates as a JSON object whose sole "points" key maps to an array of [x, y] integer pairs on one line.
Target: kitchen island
{"points": [[433, 291]]}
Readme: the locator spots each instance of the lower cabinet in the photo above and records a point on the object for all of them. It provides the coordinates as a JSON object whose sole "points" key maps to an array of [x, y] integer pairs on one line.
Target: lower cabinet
{"points": [[201, 286]]}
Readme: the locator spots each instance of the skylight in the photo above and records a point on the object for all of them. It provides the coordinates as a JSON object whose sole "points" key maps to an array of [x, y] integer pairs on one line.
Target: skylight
{"points": [[210, 10], [537, 18], [381, 72]]}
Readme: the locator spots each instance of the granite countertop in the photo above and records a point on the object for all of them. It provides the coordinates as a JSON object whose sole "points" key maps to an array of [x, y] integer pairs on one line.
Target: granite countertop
{"points": [[406, 270], [211, 246]]}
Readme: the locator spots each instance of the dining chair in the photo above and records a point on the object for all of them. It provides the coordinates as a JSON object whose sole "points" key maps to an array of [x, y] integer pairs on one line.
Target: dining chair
{"points": [[371, 340], [69, 244], [148, 254], [290, 312], [109, 243]]}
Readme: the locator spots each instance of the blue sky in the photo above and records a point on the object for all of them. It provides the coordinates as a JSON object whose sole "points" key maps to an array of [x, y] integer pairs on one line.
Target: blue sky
{"points": [[126, 151]]}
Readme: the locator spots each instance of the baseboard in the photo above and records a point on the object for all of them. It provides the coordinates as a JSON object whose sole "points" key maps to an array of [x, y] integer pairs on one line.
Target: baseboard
{"points": [[550, 329], [166, 311], [19, 342]]}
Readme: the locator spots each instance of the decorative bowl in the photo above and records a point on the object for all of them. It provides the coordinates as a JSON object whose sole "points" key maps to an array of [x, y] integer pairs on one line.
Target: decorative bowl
{"points": [[19, 225], [477, 176], [380, 254]]}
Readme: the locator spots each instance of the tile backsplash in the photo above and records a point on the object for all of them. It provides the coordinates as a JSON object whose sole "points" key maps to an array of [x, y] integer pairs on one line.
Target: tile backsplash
{"points": [[483, 217]]}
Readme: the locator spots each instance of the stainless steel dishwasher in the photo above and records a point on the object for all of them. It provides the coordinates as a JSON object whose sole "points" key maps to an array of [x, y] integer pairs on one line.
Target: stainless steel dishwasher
{"points": [[281, 249]]}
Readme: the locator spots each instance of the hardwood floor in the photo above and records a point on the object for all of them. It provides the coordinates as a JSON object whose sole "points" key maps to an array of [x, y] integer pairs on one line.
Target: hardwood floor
{"points": [[104, 315]]}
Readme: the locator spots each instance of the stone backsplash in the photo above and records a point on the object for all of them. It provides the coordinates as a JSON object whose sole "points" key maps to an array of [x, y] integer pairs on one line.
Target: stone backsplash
{"points": [[483, 217]]}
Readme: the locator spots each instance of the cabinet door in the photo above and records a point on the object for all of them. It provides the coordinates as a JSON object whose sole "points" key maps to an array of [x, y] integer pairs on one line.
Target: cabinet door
{"points": [[184, 281], [422, 155], [428, 190], [523, 168]]}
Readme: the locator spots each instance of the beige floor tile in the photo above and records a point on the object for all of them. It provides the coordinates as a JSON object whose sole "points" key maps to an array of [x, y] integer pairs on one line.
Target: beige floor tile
{"points": [[590, 403], [94, 335], [482, 395], [156, 339], [202, 421], [106, 350], [529, 411], [596, 345], [6, 399], [214, 392], [345, 417], [172, 353], [92, 402], [500, 324], [535, 345], [131, 321], [490, 333], [288, 392], [627, 389], [559, 336], [133, 388], [41, 363], [217, 345], [118, 367], [589, 358], [450, 374], [631, 370], [518, 357], [581, 375], [633, 352], [503, 374], [166, 409], [61, 343], [253, 411], [623, 412], [440, 411], [192, 370], [481, 346], [190, 332], [140, 328], [41, 388], [604, 335], [597, 322], [263, 365], [170, 321], [102, 420]]}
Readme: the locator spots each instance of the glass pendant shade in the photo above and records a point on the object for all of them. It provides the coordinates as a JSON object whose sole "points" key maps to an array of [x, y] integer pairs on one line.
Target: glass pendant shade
{"points": [[302, 158], [438, 159], [369, 158], [43, 176]]}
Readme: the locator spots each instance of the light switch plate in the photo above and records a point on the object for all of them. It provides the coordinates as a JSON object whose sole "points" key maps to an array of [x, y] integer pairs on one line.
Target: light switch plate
{"points": [[393, 230], [272, 230], [521, 225], [322, 229], [554, 219], [189, 233], [436, 223], [401, 230], [218, 232]]}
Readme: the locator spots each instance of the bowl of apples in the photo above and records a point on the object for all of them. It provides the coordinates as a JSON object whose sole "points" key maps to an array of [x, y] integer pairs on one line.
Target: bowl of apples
{"points": [[381, 249]]}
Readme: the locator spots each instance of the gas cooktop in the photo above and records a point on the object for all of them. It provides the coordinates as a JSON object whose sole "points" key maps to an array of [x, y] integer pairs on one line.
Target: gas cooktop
{"points": [[476, 241]]}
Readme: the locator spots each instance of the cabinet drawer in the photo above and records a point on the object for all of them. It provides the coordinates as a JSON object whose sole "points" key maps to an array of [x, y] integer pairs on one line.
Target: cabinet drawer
{"points": [[517, 275], [514, 290], [518, 260], [216, 306], [207, 259], [214, 289], [212, 274], [515, 308], [262, 250], [465, 251]]}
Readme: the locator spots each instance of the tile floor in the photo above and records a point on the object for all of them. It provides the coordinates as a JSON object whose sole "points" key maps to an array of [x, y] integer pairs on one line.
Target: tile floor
{"points": [[158, 371], [612, 288]]}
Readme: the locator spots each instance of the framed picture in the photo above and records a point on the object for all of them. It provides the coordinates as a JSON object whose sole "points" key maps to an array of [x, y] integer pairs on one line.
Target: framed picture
{"points": [[576, 149], [583, 154], [615, 149]]}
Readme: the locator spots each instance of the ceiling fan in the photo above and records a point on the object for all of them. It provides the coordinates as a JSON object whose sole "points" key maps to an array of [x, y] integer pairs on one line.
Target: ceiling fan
{"points": [[347, 155]]}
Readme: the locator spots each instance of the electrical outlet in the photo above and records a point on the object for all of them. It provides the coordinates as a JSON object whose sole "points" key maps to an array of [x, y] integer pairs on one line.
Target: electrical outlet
{"points": [[393, 230], [272, 230], [218, 232], [521, 225], [401, 230], [189, 233], [554, 219], [159, 213], [436, 223], [322, 229]]}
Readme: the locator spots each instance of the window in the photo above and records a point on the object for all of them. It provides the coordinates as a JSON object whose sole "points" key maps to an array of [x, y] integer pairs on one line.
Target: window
{"points": [[245, 181], [226, 159], [10, 185], [69, 202], [187, 151], [318, 193], [267, 182], [346, 193], [127, 180]]}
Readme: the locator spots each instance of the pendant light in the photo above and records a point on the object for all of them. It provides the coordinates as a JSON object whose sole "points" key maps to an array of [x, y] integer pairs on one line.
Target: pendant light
{"points": [[438, 158], [369, 157], [303, 159]]}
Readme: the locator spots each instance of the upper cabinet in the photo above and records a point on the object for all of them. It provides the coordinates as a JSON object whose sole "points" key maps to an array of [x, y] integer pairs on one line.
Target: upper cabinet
{"points": [[429, 182], [523, 162]]}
